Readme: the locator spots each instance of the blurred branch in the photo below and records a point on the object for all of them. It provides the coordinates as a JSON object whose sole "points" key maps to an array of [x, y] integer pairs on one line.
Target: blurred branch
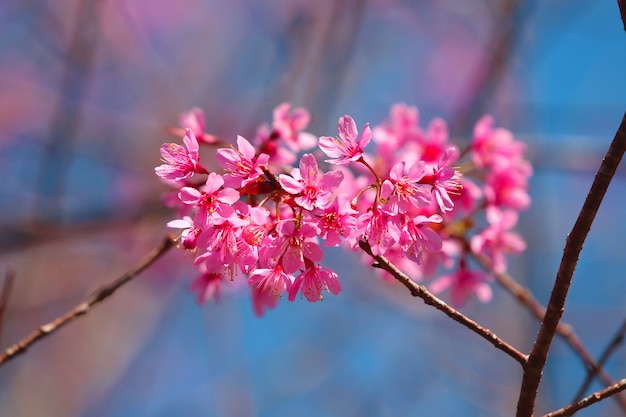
{"points": [[489, 75], [56, 155], [573, 246], [83, 308], [587, 401], [428, 298], [622, 11], [565, 330], [615, 342], [9, 279]]}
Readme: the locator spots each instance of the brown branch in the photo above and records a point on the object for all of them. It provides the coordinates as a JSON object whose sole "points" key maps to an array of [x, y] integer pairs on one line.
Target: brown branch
{"points": [[622, 11], [615, 342], [565, 330], [9, 279], [587, 401], [428, 298], [83, 308], [573, 246]]}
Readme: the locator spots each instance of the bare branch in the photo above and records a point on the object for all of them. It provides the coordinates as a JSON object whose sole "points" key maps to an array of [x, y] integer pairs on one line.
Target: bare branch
{"points": [[9, 279], [84, 307], [573, 246], [587, 401], [565, 330], [421, 292], [614, 343]]}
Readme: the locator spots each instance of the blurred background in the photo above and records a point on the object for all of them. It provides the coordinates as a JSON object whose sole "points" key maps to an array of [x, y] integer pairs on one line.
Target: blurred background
{"points": [[87, 91]]}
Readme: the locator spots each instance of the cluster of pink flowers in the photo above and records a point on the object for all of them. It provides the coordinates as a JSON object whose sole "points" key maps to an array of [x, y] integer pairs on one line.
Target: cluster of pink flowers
{"points": [[261, 220]]}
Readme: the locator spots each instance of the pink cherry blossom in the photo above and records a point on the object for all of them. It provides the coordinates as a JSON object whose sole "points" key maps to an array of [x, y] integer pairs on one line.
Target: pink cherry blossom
{"points": [[211, 200], [506, 186], [338, 220], [223, 238], [180, 162], [208, 283], [293, 246], [194, 120], [463, 283], [289, 124], [345, 148], [271, 280], [418, 237], [445, 180], [242, 165], [375, 226], [261, 300], [312, 190], [494, 146], [402, 127], [190, 232], [497, 240], [313, 281], [403, 191]]}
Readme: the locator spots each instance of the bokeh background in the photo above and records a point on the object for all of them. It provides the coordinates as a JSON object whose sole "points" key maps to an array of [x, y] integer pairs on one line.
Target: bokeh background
{"points": [[87, 91]]}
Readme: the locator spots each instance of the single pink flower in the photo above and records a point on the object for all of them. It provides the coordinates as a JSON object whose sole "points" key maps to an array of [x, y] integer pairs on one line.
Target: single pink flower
{"points": [[402, 190], [223, 238], [273, 281], [418, 237], [211, 200], [190, 232], [242, 165], [289, 124], [497, 240], [313, 281], [208, 284], [311, 189], [262, 300], [463, 283], [345, 148], [375, 226], [445, 180], [180, 162]]}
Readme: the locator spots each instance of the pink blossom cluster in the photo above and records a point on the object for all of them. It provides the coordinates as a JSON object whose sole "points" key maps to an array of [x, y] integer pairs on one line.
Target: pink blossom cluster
{"points": [[261, 220]]}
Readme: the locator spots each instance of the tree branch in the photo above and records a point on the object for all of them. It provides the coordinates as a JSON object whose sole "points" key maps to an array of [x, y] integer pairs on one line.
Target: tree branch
{"points": [[587, 401], [9, 279], [565, 330], [615, 342], [573, 246], [83, 308], [428, 298]]}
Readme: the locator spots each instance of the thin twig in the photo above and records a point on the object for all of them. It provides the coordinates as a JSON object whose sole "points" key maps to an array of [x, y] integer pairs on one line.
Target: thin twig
{"points": [[83, 308], [428, 298], [7, 287], [573, 246], [587, 401], [565, 330], [615, 342]]}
